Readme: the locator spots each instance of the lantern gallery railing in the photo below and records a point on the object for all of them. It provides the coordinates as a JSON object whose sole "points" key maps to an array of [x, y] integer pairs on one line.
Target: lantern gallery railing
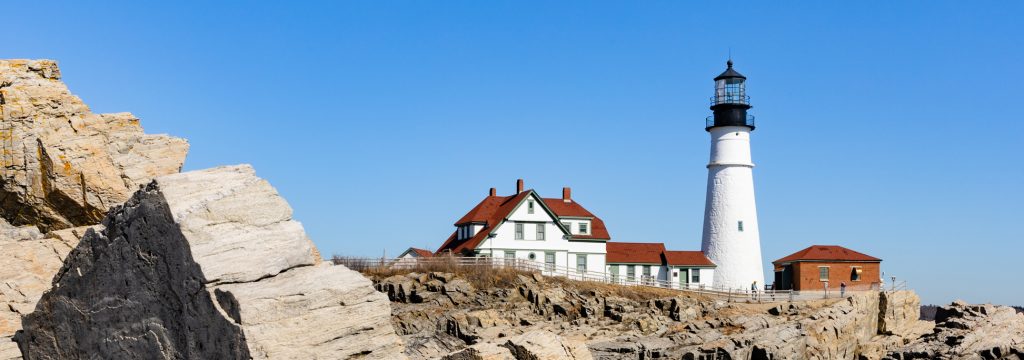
{"points": [[710, 122], [730, 99]]}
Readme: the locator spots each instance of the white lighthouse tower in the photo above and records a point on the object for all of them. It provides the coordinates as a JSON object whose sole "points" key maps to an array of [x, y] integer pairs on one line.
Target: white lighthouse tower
{"points": [[731, 239]]}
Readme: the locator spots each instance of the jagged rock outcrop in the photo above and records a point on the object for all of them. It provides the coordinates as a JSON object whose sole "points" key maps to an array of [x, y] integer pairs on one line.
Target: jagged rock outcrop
{"points": [[62, 165], [965, 331], [639, 323], [28, 261], [206, 264]]}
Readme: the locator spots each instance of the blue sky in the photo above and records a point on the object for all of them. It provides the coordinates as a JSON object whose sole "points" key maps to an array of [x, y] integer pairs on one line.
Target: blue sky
{"points": [[887, 127]]}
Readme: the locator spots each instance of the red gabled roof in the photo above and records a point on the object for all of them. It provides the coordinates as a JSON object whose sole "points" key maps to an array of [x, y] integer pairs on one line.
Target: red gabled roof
{"points": [[422, 252], [493, 209], [635, 253], [490, 211], [574, 209], [826, 253], [691, 258]]}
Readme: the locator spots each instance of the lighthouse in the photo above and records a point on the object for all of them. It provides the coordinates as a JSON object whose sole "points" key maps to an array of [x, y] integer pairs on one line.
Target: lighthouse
{"points": [[731, 239]]}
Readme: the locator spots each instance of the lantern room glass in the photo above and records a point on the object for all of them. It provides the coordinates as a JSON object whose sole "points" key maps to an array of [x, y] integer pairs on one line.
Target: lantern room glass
{"points": [[730, 91]]}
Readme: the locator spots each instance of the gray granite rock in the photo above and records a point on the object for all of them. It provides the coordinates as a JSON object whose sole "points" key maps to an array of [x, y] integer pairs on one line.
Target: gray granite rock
{"points": [[965, 331], [206, 265]]}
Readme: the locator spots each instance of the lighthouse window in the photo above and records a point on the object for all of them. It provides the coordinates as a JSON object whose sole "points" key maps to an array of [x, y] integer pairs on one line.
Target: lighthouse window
{"points": [[740, 225]]}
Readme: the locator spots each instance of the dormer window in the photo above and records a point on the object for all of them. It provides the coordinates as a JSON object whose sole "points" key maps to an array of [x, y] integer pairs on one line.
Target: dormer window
{"points": [[529, 207], [583, 228]]}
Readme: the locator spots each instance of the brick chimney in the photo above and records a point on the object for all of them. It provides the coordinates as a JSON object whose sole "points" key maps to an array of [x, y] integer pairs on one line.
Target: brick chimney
{"points": [[567, 194], [494, 192], [519, 186]]}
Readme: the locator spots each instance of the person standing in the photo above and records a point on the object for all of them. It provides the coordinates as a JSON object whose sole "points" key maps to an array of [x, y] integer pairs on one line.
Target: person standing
{"points": [[842, 289]]}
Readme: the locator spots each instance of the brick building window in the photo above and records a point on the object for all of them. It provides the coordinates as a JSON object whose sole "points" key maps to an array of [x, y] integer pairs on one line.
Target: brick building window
{"points": [[823, 273], [855, 273]]}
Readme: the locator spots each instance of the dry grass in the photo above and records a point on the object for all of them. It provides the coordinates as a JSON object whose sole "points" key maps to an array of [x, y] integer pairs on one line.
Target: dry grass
{"points": [[487, 277], [480, 276]]}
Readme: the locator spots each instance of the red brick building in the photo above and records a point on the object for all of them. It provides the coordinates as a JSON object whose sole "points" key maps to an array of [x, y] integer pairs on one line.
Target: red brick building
{"points": [[809, 269]]}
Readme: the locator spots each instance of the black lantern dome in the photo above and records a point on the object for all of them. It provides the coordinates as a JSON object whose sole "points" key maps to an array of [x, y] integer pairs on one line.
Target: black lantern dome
{"points": [[730, 102]]}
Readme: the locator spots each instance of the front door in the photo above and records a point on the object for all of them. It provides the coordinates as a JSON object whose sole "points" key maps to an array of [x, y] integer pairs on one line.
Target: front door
{"points": [[684, 278]]}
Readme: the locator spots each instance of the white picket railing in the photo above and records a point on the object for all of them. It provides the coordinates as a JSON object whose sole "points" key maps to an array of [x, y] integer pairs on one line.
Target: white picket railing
{"points": [[450, 263]]}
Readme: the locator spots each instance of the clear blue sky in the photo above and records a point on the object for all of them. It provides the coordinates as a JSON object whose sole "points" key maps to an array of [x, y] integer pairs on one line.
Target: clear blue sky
{"points": [[891, 128]]}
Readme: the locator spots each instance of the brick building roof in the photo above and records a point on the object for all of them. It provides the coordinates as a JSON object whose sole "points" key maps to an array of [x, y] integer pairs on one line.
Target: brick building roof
{"points": [[826, 253]]}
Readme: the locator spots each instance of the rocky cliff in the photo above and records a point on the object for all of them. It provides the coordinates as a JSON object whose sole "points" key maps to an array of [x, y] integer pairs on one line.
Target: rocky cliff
{"points": [[62, 165], [442, 315], [202, 265], [964, 331]]}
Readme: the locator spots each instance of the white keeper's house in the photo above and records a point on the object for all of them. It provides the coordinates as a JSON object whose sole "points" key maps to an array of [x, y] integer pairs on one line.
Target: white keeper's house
{"points": [[558, 232], [563, 234]]}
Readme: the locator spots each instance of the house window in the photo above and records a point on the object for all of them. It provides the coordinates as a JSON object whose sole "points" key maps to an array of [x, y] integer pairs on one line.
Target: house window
{"points": [[630, 272], [549, 261], [519, 231], [540, 231], [647, 273], [823, 273], [739, 225], [581, 262], [509, 255], [614, 270], [529, 206], [567, 226], [855, 274], [583, 228], [695, 275]]}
